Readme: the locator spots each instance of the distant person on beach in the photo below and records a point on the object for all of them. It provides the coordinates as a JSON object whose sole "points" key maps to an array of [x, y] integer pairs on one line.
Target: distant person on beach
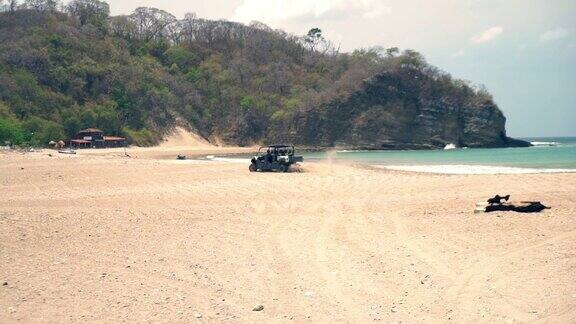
{"points": [[269, 156]]}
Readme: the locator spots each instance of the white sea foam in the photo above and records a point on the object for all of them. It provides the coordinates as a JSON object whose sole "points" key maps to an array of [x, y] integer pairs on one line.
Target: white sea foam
{"points": [[544, 143], [471, 169], [350, 151]]}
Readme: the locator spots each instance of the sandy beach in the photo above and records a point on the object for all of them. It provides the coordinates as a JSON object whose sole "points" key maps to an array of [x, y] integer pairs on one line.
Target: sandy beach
{"points": [[100, 237]]}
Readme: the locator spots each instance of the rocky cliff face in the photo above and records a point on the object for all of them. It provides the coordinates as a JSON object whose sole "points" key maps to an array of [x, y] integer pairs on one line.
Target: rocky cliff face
{"points": [[406, 110]]}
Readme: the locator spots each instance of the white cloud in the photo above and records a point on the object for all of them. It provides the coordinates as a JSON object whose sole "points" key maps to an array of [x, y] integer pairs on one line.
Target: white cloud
{"points": [[488, 35], [555, 34], [377, 11], [270, 11], [459, 54]]}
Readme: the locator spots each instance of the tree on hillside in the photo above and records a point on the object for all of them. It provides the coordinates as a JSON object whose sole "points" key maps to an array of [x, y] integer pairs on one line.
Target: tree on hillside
{"points": [[93, 12], [260, 25], [316, 42], [313, 38], [413, 59], [188, 26], [151, 23], [42, 5], [13, 5], [123, 27], [392, 51]]}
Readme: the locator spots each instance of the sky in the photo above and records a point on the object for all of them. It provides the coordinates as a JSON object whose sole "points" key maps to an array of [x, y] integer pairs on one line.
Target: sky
{"points": [[523, 51]]}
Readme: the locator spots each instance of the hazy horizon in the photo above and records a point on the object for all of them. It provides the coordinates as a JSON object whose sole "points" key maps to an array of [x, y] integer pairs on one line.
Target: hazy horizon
{"points": [[522, 51]]}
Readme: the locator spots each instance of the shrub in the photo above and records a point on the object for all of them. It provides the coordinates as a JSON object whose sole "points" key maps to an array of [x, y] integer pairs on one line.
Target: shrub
{"points": [[11, 130], [247, 102], [141, 137], [181, 57], [193, 75], [39, 132], [72, 126]]}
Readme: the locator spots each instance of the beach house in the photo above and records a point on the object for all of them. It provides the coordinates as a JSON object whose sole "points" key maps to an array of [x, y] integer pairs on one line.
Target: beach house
{"points": [[95, 138]]}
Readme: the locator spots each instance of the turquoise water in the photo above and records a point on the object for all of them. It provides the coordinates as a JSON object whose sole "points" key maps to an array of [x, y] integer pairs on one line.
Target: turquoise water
{"points": [[549, 153]]}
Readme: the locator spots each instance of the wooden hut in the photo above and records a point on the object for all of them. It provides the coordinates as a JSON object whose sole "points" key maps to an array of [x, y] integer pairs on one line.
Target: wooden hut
{"points": [[95, 138]]}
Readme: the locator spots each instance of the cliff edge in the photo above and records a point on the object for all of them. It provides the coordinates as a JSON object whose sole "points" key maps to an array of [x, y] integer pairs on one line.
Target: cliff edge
{"points": [[407, 108]]}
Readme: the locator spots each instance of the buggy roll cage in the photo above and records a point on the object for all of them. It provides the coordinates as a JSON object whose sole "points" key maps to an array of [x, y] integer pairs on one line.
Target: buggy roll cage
{"points": [[276, 148]]}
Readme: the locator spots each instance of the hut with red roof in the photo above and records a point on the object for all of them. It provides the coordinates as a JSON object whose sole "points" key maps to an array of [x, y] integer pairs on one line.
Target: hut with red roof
{"points": [[95, 138]]}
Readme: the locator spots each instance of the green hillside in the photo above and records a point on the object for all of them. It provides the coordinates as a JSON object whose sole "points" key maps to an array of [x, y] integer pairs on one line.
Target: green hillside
{"points": [[65, 69]]}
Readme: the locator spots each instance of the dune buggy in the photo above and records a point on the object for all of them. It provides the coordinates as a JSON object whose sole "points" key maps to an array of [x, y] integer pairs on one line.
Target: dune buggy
{"points": [[274, 158]]}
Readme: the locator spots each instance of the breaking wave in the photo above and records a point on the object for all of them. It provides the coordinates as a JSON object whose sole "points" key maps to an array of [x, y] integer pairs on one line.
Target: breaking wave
{"points": [[545, 143]]}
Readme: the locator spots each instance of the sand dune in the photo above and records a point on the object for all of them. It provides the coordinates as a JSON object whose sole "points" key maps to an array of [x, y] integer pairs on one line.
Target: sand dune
{"points": [[105, 238], [181, 137]]}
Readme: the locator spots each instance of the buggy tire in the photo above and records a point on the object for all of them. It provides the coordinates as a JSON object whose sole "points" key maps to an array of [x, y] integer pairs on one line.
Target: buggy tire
{"points": [[252, 167], [283, 168]]}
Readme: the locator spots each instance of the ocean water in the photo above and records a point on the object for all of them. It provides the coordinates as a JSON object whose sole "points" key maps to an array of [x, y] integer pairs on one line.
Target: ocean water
{"points": [[548, 155]]}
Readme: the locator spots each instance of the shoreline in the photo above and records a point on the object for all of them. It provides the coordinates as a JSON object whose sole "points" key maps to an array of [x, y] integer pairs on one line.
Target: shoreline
{"points": [[448, 169], [232, 155]]}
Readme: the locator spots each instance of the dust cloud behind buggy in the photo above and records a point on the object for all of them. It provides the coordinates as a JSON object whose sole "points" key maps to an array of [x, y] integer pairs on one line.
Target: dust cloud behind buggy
{"points": [[274, 158]]}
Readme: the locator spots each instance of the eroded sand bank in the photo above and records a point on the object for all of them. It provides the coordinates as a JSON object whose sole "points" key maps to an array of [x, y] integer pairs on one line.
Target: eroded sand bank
{"points": [[101, 237]]}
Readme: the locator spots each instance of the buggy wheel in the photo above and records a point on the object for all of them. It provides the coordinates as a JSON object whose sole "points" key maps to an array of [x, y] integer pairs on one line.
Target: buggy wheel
{"points": [[283, 168], [252, 167]]}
